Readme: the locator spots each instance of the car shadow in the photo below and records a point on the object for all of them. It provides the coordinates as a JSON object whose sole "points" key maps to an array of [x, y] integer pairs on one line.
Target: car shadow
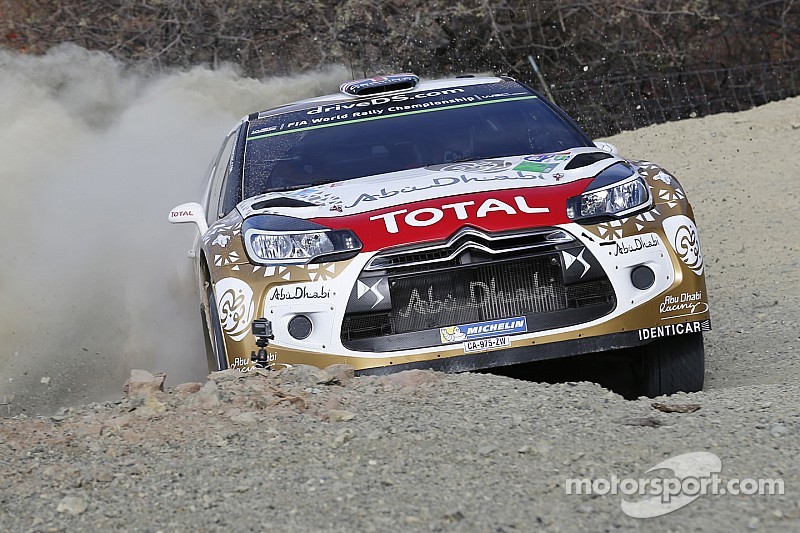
{"points": [[612, 370]]}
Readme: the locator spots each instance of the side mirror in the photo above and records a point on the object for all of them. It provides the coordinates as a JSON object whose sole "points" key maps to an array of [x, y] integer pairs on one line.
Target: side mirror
{"points": [[607, 147], [191, 212]]}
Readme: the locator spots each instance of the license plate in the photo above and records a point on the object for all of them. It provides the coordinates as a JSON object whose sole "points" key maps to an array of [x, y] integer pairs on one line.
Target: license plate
{"points": [[481, 345]]}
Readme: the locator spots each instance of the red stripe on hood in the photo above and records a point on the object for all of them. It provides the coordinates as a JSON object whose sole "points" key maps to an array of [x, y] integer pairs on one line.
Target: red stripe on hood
{"points": [[438, 219]]}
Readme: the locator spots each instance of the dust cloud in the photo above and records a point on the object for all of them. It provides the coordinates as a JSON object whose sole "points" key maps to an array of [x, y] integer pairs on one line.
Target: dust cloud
{"points": [[93, 280]]}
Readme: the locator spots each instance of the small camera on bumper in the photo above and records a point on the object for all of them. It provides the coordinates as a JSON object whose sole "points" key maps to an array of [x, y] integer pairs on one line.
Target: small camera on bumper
{"points": [[262, 328], [262, 331]]}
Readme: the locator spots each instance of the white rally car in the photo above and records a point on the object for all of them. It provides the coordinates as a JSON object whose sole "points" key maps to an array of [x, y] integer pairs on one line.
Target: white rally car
{"points": [[453, 224]]}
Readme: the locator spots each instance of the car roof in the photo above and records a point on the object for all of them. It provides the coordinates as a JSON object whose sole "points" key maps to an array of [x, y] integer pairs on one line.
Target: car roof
{"points": [[423, 85]]}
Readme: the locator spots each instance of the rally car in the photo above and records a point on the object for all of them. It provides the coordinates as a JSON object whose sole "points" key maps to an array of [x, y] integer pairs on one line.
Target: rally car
{"points": [[456, 225]]}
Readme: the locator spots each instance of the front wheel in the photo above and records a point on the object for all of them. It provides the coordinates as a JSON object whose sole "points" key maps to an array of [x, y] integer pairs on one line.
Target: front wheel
{"points": [[215, 344], [673, 364]]}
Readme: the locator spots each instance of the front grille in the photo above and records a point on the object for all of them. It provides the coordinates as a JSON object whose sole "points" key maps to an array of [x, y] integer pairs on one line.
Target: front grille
{"points": [[468, 243], [422, 302], [366, 326], [470, 294]]}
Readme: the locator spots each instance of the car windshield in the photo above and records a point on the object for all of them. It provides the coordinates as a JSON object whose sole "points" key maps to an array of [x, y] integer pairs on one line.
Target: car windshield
{"points": [[347, 140]]}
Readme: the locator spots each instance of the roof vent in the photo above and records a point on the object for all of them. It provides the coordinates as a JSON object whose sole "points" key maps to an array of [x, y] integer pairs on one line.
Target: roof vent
{"points": [[282, 201], [584, 160], [393, 83]]}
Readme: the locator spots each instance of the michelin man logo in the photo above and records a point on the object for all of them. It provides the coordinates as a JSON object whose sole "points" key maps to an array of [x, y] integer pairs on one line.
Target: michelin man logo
{"points": [[235, 306], [682, 236], [452, 334]]}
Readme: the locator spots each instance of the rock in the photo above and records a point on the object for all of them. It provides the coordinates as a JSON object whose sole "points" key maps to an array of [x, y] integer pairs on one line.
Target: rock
{"points": [[337, 375], [648, 422], [72, 505], [332, 403], [454, 516], [337, 415], [304, 375], [142, 383], [778, 430], [187, 388], [245, 418], [207, 397], [676, 408], [45, 380], [410, 379], [103, 476], [151, 407], [487, 450], [230, 374], [131, 437], [118, 421], [341, 438], [87, 428]]}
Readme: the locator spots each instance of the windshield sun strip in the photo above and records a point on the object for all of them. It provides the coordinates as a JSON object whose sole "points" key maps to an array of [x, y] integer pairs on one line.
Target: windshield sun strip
{"points": [[405, 113]]}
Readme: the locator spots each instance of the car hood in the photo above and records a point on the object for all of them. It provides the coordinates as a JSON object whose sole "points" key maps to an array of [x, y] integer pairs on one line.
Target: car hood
{"points": [[430, 203]]}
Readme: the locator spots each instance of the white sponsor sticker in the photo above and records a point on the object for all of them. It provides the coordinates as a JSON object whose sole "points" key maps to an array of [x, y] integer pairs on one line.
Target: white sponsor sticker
{"points": [[674, 329], [481, 345], [491, 328], [682, 236], [235, 306]]}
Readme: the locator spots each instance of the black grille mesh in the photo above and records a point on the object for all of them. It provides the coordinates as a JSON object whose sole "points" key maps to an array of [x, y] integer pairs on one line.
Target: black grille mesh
{"points": [[529, 286], [366, 326], [470, 294]]}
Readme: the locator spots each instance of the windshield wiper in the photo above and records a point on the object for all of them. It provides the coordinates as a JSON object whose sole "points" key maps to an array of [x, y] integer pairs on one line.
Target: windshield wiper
{"points": [[296, 187], [465, 159]]}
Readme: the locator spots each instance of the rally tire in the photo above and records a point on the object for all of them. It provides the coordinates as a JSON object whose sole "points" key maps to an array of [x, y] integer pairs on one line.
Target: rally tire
{"points": [[210, 357], [217, 357], [673, 364]]}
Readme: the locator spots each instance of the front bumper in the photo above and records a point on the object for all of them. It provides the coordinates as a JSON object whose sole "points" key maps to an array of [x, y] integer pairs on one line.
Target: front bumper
{"points": [[524, 354], [618, 312]]}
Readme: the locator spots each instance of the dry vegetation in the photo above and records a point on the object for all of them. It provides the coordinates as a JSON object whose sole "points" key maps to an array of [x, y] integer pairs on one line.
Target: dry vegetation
{"points": [[609, 37]]}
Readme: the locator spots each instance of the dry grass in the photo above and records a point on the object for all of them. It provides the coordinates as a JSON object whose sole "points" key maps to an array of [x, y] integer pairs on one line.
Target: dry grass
{"points": [[370, 36]]}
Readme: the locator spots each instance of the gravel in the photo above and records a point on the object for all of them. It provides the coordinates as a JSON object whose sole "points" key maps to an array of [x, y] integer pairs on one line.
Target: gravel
{"points": [[420, 450], [300, 450]]}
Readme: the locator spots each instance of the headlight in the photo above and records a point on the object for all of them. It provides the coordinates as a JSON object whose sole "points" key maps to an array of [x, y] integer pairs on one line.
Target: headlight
{"points": [[299, 248], [615, 200]]}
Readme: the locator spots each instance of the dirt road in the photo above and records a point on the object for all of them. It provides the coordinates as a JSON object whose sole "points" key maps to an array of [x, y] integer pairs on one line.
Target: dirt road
{"points": [[303, 451]]}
